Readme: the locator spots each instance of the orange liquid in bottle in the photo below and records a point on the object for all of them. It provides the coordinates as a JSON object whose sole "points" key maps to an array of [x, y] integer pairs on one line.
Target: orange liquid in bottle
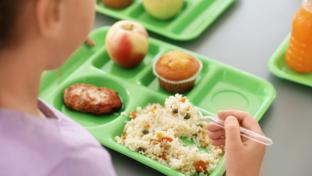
{"points": [[299, 53]]}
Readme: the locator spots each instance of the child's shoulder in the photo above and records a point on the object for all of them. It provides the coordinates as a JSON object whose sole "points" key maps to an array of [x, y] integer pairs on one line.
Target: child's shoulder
{"points": [[42, 144]]}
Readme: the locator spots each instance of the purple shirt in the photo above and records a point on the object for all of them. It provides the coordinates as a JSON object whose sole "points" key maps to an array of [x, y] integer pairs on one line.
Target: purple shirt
{"points": [[52, 146]]}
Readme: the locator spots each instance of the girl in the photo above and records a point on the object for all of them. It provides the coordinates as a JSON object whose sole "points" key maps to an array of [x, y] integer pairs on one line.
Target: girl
{"points": [[38, 140]]}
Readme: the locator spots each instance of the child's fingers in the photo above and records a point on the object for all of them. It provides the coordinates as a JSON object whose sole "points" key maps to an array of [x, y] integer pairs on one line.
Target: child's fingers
{"points": [[233, 139], [216, 135], [246, 121], [244, 118], [212, 127], [218, 142], [240, 115]]}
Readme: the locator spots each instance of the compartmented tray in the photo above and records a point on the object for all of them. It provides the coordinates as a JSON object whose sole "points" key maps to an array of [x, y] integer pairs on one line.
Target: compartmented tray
{"points": [[195, 17], [279, 67], [218, 87]]}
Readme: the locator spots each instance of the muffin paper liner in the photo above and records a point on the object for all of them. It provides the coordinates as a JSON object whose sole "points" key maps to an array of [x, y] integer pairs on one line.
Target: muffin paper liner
{"points": [[177, 86]]}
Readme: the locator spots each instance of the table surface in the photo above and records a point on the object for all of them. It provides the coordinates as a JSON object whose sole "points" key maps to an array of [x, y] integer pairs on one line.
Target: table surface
{"points": [[245, 37]]}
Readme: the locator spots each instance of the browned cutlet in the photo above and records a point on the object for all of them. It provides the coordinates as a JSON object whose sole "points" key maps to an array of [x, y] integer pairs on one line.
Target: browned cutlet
{"points": [[91, 99]]}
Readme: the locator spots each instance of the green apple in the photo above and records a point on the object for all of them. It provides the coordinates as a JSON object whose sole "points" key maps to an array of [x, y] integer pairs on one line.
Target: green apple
{"points": [[163, 9]]}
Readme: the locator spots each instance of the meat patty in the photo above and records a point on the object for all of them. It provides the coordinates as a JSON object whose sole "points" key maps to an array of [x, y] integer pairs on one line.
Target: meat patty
{"points": [[91, 99]]}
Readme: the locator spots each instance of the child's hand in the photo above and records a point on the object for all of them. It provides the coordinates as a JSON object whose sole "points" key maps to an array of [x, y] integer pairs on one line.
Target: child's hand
{"points": [[243, 157]]}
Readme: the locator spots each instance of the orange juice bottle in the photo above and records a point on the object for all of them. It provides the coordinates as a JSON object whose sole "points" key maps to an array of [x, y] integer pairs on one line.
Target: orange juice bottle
{"points": [[299, 53]]}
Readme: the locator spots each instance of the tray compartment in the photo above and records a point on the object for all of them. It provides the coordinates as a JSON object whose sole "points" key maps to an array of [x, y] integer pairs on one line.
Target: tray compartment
{"points": [[101, 60], [104, 63], [229, 89], [116, 129], [89, 120], [206, 77], [193, 18]]}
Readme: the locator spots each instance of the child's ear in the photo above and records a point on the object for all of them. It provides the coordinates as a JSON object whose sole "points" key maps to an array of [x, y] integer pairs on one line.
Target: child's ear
{"points": [[48, 16]]}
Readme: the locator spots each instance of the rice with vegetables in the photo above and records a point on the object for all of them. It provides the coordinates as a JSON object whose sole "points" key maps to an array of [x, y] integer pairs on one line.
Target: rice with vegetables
{"points": [[163, 133]]}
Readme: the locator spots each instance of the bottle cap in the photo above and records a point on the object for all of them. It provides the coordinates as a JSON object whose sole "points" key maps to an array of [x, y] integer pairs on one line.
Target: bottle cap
{"points": [[307, 4]]}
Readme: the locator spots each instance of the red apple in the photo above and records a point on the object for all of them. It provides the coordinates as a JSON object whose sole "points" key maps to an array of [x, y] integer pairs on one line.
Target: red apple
{"points": [[127, 43], [117, 4]]}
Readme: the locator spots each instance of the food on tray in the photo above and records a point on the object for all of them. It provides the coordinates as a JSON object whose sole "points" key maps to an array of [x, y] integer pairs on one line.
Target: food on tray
{"points": [[163, 9], [90, 43], [117, 3], [299, 53], [91, 99], [127, 43], [177, 71], [158, 131]]}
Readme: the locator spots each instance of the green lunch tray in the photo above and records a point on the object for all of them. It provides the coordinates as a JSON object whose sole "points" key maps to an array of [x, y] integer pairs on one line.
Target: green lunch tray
{"points": [[218, 87], [195, 17], [279, 67]]}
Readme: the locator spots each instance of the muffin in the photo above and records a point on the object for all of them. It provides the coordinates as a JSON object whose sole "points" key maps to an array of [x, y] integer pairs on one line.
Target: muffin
{"points": [[117, 4], [177, 71]]}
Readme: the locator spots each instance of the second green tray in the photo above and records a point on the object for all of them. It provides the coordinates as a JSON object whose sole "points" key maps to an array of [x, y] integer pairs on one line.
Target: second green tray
{"points": [[195, 17], [218, 87], [279, 67]]}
